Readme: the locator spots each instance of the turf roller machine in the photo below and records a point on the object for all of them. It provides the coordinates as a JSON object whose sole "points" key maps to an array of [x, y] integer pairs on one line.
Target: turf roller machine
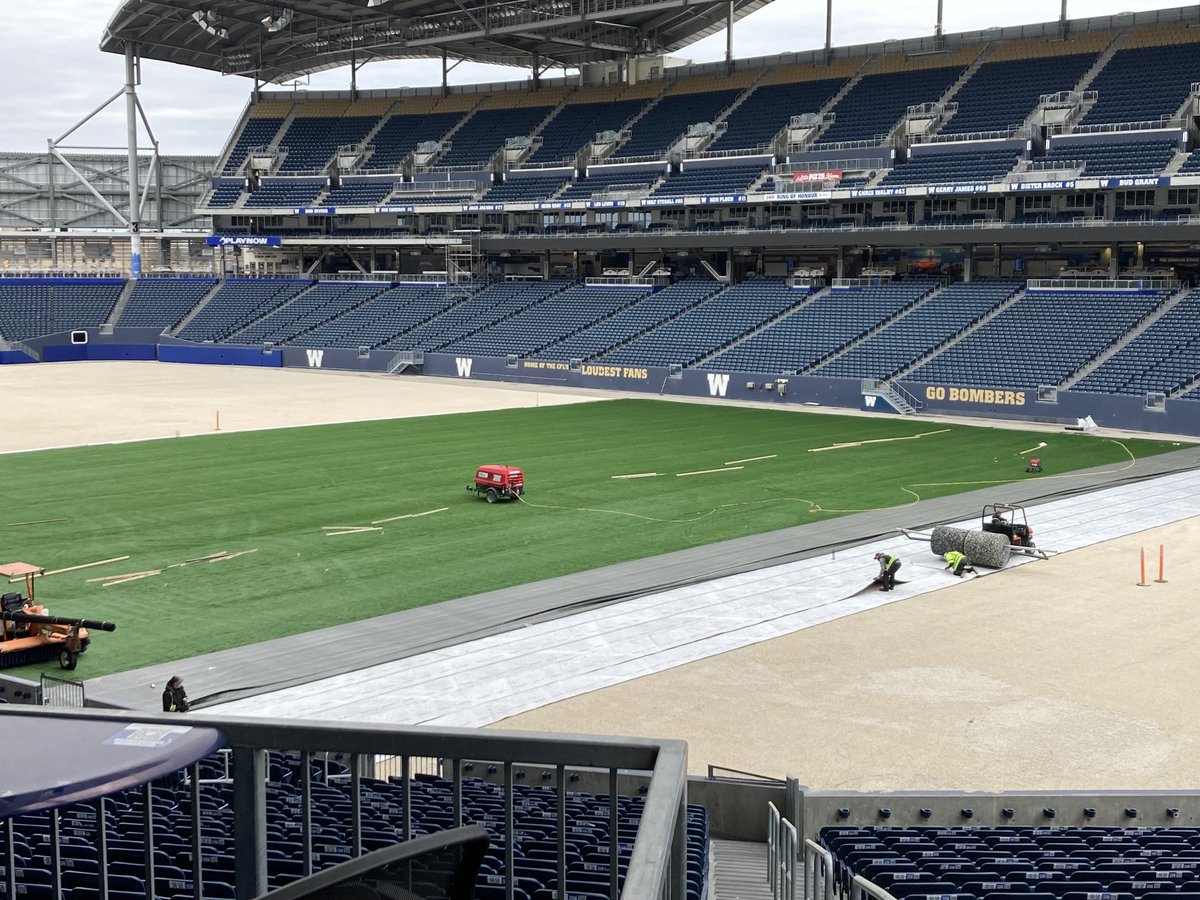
{"points": [[1004, 531], [29, 635]]}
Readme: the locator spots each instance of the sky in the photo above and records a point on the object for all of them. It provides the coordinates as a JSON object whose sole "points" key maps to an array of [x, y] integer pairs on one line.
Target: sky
{"points": [[57, 74]]}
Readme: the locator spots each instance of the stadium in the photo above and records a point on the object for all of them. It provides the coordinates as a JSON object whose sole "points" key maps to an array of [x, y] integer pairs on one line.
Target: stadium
{"points": [[747, 327]]}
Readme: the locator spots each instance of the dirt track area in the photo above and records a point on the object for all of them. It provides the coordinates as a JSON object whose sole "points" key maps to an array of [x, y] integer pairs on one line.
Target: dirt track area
{"points": [[1058, 675]]}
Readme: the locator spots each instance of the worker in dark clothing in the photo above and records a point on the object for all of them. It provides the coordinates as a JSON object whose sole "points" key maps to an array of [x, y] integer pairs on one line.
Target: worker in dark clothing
{"points": [[888, 566], [175, 698], [958, 563]]}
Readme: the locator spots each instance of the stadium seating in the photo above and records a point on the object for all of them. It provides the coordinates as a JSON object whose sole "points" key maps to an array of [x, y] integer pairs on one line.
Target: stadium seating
{"points": [[1064, 863], [311, 141], [257, 132], [1144, 83], [401, 134], [1041, 339], [943, 165], [236, 303], [699, 180], [285, 192], [1162, 358], [360, 193], [1114, 156], [487, 130], [1001, 95], [648, 311], [946, 313], [32, 308], [495, 303], [670, 118], [709, 326], [323, 302], [526, 187], [876, 103], [760, 117], [610, 178], [828, 321], [578, 123], [226, 192], [163, 302], [549, 321], [426, 801], [380, 318]]}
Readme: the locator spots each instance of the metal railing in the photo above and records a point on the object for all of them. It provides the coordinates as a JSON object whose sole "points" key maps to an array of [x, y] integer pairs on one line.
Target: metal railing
{"points": [[657, 865], [818, 872], [1101, 283], [861, 889], [782, 856]]}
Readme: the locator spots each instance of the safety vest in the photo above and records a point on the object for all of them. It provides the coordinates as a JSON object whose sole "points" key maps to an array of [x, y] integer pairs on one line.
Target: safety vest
{"points": [[953, 558]]}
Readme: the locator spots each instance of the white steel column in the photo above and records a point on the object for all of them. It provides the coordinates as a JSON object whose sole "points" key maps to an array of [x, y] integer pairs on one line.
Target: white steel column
{"points": [[131, 119]]}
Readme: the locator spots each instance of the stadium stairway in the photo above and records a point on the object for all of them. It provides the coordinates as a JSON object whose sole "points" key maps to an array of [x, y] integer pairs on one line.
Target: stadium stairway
{"points": [[738, 871], [633, 120], [122, 302], [1114, 348], [1098, 66]]}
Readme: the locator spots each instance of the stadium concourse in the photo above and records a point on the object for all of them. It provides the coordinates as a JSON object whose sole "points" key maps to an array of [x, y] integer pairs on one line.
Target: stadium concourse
{"points": [[1054, 674]]}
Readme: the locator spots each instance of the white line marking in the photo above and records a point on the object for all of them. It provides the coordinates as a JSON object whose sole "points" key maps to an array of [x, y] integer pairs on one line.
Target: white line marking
{"points": [[708, 471]]}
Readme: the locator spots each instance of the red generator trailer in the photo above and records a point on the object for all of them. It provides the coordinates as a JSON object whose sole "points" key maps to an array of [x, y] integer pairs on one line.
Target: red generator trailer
{"points": [[498, 483]]}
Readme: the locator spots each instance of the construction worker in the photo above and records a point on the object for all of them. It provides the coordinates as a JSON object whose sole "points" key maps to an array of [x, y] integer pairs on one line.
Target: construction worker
{"points": [[888, 566], [175, 698], [958, 563]]}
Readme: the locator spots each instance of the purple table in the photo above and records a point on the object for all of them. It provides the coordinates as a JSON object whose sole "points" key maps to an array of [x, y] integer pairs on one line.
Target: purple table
{"points": [[52, 761]]}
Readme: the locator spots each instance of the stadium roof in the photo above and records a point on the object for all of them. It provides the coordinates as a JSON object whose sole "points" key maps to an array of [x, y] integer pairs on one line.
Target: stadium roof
{"points": [[277, 41]]}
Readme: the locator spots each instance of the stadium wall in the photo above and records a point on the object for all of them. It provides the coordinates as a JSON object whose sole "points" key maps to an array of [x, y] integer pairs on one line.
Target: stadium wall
{"points": [[1128, 412]]}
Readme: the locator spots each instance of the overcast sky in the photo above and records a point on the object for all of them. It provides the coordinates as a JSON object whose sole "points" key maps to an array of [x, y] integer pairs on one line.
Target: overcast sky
{"points": [[57, 75]]}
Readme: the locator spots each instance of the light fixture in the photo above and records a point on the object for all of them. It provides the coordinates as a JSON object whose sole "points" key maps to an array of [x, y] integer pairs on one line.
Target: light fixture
{"points": [[207, 21], [279, 22]]}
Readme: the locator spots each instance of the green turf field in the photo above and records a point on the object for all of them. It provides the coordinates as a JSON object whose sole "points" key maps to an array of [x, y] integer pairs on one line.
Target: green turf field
{"points": [[164, 502]]}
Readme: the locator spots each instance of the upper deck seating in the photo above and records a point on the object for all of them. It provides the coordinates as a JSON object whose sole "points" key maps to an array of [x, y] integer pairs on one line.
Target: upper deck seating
{"points": [[670, 118], [486, 131], [876, 103], [611, 178], [525, 188], [257, 132], [285, 192], [401, 134], [578, 123], [1001, 95], [360, 193], [226, 192], [1144, 83], [311, 141], [769, 108]]}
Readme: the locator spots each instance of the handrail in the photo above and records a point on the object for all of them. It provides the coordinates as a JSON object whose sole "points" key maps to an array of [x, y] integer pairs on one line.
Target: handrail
{"points": [[861, 888], [782, 855], [818, 878]]}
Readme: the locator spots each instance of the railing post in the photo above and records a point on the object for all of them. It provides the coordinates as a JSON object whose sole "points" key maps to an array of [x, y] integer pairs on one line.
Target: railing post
{"points": [[249, 822]]}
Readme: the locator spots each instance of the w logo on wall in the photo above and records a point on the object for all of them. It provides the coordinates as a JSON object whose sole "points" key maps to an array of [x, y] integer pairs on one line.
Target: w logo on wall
{"points": [[314, 358], [718, 384], [869, 401], [463, 364]]}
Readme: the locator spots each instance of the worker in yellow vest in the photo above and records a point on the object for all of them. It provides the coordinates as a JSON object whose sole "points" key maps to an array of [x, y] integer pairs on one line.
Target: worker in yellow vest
{"points": [[958, 563]]}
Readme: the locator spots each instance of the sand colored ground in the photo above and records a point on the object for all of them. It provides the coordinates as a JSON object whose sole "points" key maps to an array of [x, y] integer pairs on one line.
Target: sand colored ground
{"points": [[1059, 675]]}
